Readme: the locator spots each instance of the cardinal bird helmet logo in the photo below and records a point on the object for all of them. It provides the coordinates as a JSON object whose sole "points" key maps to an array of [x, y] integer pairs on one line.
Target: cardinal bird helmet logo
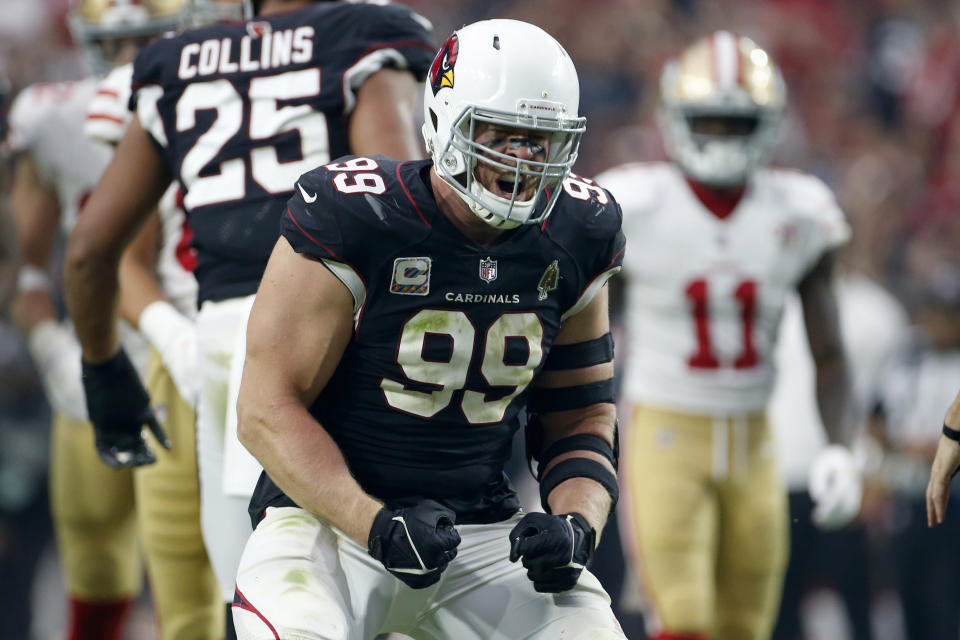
{"points": [[441, 71]]}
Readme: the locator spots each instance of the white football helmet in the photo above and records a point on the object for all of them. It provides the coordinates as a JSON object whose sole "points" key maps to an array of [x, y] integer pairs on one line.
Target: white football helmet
{"points": [[721, 76], [512, 74], [95, 23]]}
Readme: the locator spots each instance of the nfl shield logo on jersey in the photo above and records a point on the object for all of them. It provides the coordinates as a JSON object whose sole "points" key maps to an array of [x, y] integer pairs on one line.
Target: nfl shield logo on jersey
{"points": [[411, 276], [488, 270]]}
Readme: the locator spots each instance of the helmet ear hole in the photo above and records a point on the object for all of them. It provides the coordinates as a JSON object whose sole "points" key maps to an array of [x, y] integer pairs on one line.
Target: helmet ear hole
{"points": [[433, 119]]}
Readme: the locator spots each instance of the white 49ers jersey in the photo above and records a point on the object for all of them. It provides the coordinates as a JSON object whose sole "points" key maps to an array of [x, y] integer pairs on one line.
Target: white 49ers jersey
{"points": [[107, 120], [705, 294], [46, 121]]}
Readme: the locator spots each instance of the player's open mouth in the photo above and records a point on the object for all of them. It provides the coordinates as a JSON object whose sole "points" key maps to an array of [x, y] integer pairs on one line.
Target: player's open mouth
{"points": [[504, 188]]}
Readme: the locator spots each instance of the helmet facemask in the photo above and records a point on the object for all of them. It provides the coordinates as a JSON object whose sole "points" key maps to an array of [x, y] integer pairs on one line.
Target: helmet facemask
{"points": [[719, 159], [552, 143], [200, 13]]}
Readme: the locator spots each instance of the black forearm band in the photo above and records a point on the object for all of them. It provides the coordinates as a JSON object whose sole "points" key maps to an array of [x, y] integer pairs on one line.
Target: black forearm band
{"points": [[580, 354], [576, 397], [579, 442], [953, 434], [578, 468]]}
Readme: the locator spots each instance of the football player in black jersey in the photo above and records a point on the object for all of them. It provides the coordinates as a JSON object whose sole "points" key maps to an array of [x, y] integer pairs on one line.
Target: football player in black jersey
{"points": [[234, 112], [409, 314]]}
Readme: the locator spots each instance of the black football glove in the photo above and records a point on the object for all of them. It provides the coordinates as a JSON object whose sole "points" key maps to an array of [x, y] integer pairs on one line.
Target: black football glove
{"points": [[119, 407], [555, 549], [415, 543]]}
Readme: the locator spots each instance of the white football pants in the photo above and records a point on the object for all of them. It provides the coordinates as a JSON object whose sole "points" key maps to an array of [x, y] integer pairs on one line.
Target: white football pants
{"points": [[302, 579], [228, 473]]}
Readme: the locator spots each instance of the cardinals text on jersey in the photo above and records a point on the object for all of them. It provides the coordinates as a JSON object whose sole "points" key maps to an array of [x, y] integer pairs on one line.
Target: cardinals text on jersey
{"points": [[426, 398]]}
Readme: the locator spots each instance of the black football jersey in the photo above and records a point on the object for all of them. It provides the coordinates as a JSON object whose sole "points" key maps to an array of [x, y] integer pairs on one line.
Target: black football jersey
{"points": [[240, 110], [448, 334]]}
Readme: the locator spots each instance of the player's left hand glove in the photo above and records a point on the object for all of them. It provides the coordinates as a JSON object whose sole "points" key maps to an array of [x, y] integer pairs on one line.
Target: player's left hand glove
{"points": [[836, 487], [555, 549], [119, 407], [415, 543]]}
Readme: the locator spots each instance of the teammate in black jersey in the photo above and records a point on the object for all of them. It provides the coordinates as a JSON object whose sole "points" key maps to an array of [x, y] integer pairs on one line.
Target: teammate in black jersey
{"points": [[234, 112], [408, 315]]}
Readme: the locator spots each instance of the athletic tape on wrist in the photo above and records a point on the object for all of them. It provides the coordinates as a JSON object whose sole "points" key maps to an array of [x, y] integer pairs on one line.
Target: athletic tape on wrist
{"points": [[31, 278]]}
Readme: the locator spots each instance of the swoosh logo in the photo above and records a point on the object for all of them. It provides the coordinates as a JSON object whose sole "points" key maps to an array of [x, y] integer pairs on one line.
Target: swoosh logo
{"points": [[306, 196]]}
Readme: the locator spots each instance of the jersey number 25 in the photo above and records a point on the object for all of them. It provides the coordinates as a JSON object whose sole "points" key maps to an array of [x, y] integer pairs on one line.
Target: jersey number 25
{"points": [[267, 119]]}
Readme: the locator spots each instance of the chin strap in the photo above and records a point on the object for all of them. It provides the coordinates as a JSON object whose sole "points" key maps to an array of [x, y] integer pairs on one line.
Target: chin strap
{"points": [[481, 193]]}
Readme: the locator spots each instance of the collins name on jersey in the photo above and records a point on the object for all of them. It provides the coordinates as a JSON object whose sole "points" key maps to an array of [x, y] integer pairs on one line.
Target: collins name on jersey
{"points": [[240, 110]]}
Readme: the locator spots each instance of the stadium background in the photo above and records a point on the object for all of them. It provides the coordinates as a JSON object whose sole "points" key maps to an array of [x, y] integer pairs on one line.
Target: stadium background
{"points": [[874, 110]]}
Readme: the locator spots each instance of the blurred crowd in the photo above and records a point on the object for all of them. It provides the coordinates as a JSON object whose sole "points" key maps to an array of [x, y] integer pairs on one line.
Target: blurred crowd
{"points": [[874, 110], [873, 99]]}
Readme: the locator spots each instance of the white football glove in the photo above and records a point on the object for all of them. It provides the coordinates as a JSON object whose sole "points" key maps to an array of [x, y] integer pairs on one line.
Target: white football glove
{"points": [[56, 354], [836, 487], [174, 336]]}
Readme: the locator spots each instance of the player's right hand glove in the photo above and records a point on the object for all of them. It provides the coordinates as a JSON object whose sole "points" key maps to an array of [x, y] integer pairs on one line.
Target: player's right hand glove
{"points": [[415, 543], [836, 487], [119, 408], [56, 355], [174, 337], [555, 549]]}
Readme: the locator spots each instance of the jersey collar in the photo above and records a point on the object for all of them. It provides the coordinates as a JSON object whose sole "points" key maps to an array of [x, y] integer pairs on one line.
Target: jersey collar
{"points": [[719, 202]]}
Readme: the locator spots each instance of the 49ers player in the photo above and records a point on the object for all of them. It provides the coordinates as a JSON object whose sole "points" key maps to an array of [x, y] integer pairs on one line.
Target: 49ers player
{"points": [[718, 242], [95, 508]]}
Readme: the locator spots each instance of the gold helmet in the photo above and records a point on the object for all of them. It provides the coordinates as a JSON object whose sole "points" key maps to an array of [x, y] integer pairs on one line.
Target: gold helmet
{"points": [[100, 25], [722, 101]]}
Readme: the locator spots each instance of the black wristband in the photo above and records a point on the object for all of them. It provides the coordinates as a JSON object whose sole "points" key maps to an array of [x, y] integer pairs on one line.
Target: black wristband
{"points": [[381, 525], [584, 524], [953, 434], [117, 364]]}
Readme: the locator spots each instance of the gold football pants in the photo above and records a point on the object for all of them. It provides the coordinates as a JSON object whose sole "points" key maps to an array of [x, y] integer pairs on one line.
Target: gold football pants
{"points": [[185, 591], [706, 519], [98, 513], [94, 517]]}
